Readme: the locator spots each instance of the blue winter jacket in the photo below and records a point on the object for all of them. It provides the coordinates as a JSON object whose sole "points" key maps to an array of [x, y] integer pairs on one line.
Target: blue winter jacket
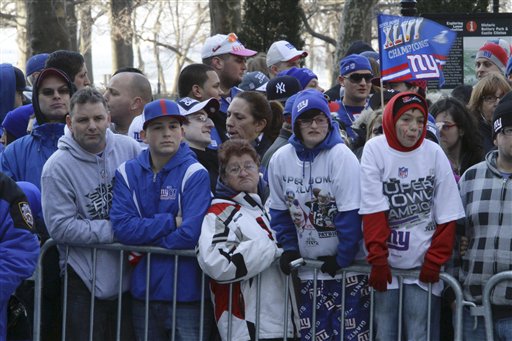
{"points": [[166, 210], [19, 247], [23, 160]]}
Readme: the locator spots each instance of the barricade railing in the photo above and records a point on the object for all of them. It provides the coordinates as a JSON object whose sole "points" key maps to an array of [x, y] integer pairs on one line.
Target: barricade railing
{"points": [[362, 268], [122, 249], [365, 268], [148, 251], [486, 300]]}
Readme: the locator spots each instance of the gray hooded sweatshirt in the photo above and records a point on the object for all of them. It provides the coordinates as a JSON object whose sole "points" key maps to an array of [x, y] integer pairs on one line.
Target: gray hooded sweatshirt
{"points": [[76, 191]]}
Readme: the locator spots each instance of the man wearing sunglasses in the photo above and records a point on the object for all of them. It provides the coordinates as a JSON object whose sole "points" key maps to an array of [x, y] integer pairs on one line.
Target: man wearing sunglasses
{"points": [[23, 159], [355, 77]]}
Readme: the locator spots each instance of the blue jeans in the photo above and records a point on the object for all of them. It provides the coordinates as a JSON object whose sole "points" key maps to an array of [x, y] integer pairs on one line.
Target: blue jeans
{"points": [[414, 314], [105, 313], [160, 326], [502, 327]]}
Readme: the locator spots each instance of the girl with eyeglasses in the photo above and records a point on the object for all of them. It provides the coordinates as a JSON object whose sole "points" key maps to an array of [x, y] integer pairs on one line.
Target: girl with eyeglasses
{"points": [[460, 137], [484, 99]]}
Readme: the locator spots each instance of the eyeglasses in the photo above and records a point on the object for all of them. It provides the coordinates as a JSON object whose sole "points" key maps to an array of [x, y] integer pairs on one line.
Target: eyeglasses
{"points": [[199, 117], [235, 170], [48, 92], [491, 99], [445, 126], [320, 120], [377, 131], [357, 77], [507, 131]]}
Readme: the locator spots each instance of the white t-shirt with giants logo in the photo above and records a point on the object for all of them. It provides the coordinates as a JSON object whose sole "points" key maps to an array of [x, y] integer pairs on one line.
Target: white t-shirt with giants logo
{"points": [[418, 191]]}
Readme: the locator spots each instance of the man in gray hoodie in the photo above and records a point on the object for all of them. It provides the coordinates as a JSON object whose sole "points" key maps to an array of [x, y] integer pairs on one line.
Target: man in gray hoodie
{"points": [[76, 197]]}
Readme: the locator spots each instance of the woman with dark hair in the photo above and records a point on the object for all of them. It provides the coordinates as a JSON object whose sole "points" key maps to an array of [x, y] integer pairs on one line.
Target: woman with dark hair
{"points": [[460, 138], [250, 118], [237, 248], [484, 99]]}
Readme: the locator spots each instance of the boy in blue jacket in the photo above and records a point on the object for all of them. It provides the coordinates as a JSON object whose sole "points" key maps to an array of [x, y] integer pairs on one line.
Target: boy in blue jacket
{"points": [[160, 199]]}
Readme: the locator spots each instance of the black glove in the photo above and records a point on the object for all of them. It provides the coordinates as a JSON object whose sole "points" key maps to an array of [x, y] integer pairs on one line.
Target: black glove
{"points": [[330, 265], [286, 258]]}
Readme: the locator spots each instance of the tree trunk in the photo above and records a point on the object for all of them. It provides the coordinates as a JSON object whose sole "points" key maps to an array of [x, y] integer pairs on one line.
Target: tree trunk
{"points": [[72, 24], [47, 26], [356, 24], [22, 37], [225, 16], [86, 37], [161, 86], [121, 33]]}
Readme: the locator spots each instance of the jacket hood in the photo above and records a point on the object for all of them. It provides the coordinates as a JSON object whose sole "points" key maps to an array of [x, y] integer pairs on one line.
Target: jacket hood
{"points": [[399, 104], [41, 119], [8, 86], [182, 155], [306, 154], [490, 160]]}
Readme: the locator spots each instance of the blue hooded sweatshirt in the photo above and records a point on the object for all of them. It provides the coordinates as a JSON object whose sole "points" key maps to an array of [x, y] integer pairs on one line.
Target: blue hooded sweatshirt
{"points": [[23, 160], [348, 223], [166, 210]]}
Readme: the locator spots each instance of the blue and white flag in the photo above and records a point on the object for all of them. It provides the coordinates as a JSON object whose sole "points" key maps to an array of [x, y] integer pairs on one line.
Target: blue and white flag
{"points": [[412, 48]]}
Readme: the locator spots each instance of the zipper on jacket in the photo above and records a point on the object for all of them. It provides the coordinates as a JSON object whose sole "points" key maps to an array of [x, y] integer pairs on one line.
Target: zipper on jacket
{"points": [[500, 222]]}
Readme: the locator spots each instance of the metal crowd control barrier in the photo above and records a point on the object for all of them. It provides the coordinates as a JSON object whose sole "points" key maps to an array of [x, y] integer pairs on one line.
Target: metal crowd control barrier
{"points": [[148, 251], [486, 300], [364, 268], [122, 252]]}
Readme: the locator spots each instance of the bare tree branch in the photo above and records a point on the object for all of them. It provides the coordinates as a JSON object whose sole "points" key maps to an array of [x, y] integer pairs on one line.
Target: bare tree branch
{"points": [[167, 46], [310, 30]]}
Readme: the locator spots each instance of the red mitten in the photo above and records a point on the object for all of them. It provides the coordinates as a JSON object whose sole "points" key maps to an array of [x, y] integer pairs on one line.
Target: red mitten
{"points": [[429, 272], [380, 277]]}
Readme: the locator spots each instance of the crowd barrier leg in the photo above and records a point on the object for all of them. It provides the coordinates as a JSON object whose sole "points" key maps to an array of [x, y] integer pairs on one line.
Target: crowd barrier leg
{"points": [[486, 300]]}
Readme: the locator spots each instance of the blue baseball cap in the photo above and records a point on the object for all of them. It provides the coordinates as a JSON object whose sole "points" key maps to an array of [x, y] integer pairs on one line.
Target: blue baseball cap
{"points": [[308, 100], [36, 63], [162, 108], [354, 62]]}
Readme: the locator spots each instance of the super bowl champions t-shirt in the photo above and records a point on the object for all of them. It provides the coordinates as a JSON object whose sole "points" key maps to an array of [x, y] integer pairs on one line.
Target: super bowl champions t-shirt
{"points": [[417, 190], [314, 192]]}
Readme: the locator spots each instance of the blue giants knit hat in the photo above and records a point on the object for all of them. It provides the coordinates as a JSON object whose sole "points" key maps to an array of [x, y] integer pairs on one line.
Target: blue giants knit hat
{"points": [[354, 62], [162, 108], [302, 74], [307, 100]]}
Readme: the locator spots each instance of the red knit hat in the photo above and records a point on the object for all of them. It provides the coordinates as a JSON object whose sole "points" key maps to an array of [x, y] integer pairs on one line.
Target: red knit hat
{"points": [[497, 51], [398, 105]]}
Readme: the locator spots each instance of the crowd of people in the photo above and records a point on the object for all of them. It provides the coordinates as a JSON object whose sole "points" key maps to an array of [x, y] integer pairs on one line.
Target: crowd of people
{"points": [[255, 167]]}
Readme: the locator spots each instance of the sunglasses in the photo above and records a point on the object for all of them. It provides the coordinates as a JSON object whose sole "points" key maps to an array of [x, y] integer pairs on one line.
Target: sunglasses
{"points": [[357, 77], [48, 92]]}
